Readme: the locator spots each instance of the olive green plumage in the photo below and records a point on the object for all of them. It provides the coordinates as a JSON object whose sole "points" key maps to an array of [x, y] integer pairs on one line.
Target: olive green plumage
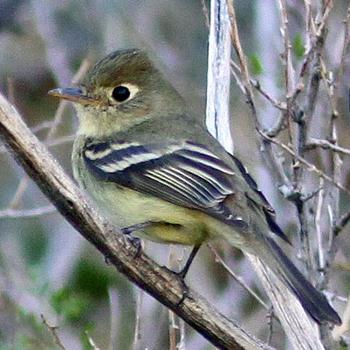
{"points": [[143, 158]]}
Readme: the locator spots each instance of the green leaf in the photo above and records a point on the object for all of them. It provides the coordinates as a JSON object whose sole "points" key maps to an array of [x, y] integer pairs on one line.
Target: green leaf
{"points": [[298, 46], [70, 304], [255, 64]]}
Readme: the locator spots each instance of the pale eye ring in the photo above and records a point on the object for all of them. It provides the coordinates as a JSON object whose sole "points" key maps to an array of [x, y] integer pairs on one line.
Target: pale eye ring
{"points": [[123, 92]]}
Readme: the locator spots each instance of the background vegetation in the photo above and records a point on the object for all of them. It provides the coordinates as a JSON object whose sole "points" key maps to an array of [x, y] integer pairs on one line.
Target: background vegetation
{"points": [[49, 276]]}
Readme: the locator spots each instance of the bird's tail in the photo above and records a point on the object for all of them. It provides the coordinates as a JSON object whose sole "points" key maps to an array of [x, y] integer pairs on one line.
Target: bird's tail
{"points": [[313, 301]]}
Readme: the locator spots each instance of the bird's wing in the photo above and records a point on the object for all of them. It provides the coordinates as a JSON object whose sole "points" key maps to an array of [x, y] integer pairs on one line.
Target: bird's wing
{"points": [[258, 199], [183, 173]]}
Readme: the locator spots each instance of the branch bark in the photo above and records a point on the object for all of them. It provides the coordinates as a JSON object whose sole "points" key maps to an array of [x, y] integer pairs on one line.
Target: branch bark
{"points": [[300, 330], [159, 282]]}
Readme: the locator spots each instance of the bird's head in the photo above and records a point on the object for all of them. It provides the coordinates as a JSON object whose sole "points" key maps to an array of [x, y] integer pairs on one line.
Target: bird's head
{"points": [[123, 89]]}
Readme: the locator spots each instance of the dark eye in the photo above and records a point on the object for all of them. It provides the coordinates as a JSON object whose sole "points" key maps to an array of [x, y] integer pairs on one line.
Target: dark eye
{"points": [[120, 93]]}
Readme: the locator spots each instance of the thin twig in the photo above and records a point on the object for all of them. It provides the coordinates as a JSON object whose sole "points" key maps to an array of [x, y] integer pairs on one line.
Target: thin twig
{"points": [[246, 82], [325, 144], [173, 329], [181, 345], [277, 104], [23, 184], [318, 225], [336, 168], [308, 165], [346, 42], [236, 42], [311, 69], [91, 341], [56, 142], [270, 318], [234, 67], [42, 126], [237, 278], [288, 70], [27, 213], [53, 331]]}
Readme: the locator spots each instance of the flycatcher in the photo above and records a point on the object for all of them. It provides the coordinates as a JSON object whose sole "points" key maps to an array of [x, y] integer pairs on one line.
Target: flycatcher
{"points": [[154, 169]]}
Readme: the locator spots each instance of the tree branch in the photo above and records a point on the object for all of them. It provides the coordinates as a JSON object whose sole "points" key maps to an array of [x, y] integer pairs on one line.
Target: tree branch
{"points": [[159, 282]]}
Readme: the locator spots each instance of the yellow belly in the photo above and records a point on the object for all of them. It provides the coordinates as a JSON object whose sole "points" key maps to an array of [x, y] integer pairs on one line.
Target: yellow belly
{"points": [[170, 223]]}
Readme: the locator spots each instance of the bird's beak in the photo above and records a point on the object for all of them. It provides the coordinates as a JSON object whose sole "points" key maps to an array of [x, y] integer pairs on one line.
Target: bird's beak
{"points": [[73, 94]]}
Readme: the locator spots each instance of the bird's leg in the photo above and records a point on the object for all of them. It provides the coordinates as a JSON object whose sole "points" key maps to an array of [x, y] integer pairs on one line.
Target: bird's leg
{"points": [[135, 241], [189, 261], [182, 274]]}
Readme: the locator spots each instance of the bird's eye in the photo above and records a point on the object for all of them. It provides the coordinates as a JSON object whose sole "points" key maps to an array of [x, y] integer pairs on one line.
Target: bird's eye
{"points": [[121, 93]]}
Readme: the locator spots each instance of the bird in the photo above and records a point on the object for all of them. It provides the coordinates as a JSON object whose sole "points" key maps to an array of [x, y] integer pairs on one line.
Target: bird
{"points": [[154, 169]]}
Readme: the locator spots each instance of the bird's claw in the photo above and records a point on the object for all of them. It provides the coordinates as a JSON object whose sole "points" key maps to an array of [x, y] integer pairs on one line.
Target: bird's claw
{"points": [[137, 243]]}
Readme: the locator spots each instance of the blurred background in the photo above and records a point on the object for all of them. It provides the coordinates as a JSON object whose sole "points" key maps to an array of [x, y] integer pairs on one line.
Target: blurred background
{"points": [[50, 276]]}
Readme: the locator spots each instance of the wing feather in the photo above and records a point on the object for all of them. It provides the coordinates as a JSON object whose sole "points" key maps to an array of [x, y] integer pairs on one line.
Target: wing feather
{"points": [[184, 173]]}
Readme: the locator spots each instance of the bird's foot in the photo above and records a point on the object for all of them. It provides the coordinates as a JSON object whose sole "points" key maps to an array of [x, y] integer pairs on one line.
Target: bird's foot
{"points": [[135, 241]]}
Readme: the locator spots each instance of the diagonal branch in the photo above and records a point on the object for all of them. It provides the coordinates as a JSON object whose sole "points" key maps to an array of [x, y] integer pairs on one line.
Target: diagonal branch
{"points": [[159, 282]]}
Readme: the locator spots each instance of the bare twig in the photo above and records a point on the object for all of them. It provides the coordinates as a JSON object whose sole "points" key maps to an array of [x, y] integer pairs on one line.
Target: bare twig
{"points": [[318, 225], [333, 196], [42, 126], [26, 213], [235, 67], [91, 341], [173, 330], [181, 345], [237, 278], [324, 144], [56, 142], [279, 105], [288, 70], [307, 164], [271, 159], [270, 317], [23, 184], [303, 122], [53, 331], [236, 42]]}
